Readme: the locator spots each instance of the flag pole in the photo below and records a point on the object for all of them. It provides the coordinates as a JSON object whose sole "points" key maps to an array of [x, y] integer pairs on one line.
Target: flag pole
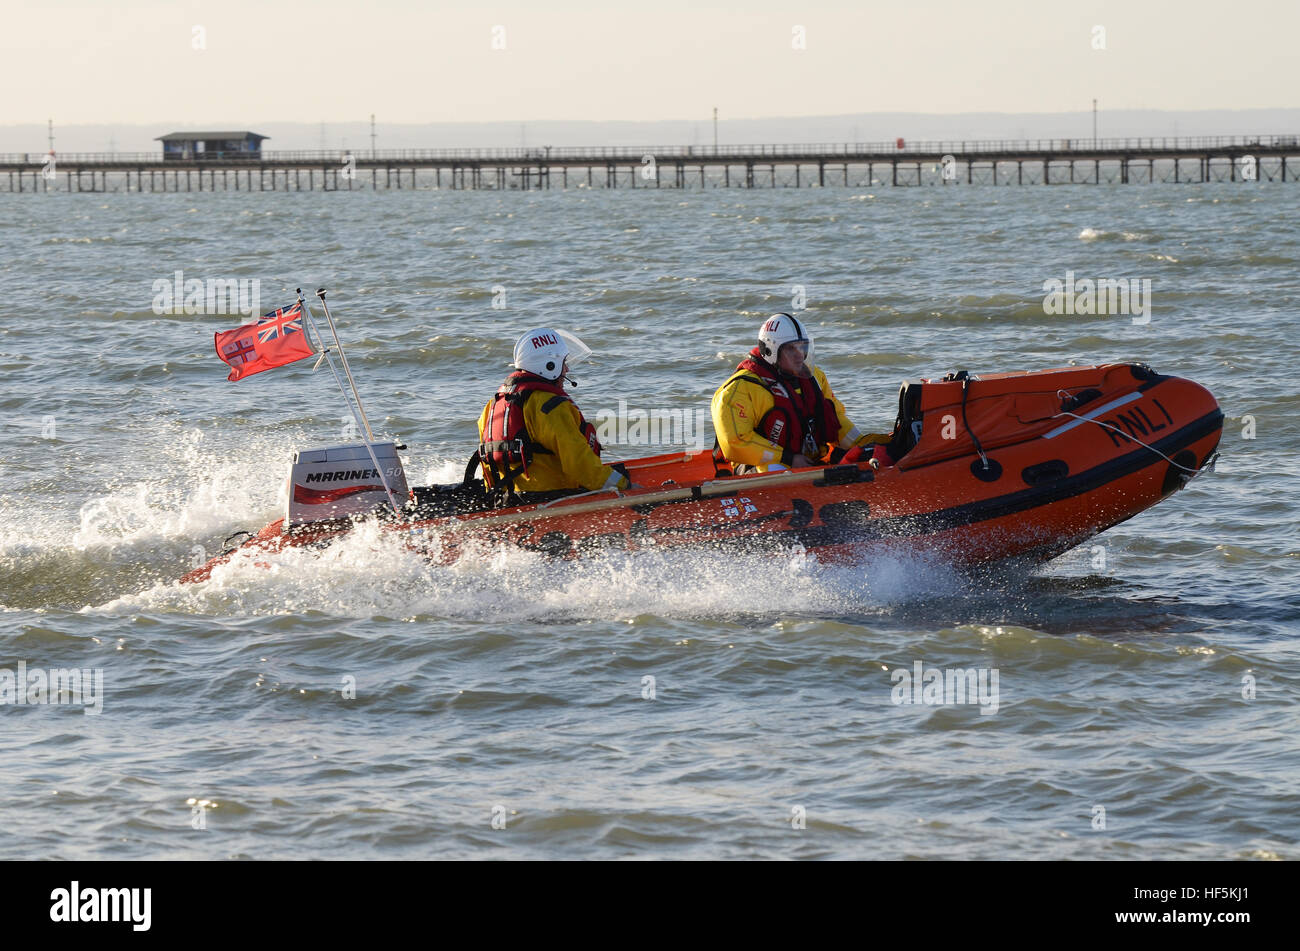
{"points": [[360, 419], [343, 358]]}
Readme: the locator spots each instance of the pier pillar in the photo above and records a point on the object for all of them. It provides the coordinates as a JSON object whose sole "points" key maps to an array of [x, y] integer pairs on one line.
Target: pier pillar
{"points": [[772, 180], [796, 175], [726, 175], [970, 172], [1047, 172], [749, 174], [821, 174], [995, 171], [895, 164], [1283, 179], [1020, 173]]}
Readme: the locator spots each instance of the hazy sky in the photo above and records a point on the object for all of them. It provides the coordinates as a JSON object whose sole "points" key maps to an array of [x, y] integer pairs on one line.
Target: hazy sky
{"points": [[237, 62]]}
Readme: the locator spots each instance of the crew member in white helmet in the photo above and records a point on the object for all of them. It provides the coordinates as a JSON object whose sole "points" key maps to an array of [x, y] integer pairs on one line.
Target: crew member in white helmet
{"points": [[533, 437], [778, 412]]}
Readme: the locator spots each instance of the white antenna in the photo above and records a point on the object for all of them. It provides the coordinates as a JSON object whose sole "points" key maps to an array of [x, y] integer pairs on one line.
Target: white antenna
{"points": [[358, 412]]}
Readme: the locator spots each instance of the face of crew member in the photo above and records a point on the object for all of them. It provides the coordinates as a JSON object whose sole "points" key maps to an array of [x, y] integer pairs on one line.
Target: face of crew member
{"points": [[791, 358]]}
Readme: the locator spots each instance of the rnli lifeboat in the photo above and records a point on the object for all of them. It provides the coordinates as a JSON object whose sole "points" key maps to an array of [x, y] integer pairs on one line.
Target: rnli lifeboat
{"points": [[1000, 466]]}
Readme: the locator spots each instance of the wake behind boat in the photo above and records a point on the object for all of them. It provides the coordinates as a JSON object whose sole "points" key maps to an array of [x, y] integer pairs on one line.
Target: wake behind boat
{"points": [[1012, 465]]}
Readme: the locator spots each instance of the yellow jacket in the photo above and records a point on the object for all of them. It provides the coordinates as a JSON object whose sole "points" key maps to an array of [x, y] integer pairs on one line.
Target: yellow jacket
{"points": [[572, 464], [737, 407]]}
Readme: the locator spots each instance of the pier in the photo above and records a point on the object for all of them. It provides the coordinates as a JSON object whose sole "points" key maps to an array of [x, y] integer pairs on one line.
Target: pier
{"points": [[1190, 160]]}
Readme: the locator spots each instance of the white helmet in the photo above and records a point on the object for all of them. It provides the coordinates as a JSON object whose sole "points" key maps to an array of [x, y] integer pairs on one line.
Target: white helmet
{"points": [[778, 330], [544, 352]]}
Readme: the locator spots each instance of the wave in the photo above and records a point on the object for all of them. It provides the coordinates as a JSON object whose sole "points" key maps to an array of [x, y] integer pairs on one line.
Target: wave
{"points": [[1094, 234], [372, 572]]}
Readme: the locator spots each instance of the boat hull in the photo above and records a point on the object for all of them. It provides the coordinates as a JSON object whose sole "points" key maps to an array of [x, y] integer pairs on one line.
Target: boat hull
{"points": [[1022, 466]]}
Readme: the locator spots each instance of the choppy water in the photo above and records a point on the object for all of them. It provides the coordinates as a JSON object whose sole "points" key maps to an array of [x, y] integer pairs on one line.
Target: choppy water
{"points": [[511, 687]]}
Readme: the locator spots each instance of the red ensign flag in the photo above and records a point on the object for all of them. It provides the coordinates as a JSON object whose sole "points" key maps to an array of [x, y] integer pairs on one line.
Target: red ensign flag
{"points": [[276, 339]]}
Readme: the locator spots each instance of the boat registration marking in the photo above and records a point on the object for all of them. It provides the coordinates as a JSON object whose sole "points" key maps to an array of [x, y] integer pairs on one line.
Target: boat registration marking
{"points": [[732, 507]]}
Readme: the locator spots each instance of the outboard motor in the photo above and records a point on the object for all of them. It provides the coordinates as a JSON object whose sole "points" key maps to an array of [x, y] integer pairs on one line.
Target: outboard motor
{"points": [[341, 481]]}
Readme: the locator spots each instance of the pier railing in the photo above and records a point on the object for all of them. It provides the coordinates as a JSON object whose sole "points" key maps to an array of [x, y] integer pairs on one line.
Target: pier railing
{"points": [[707, 153]]}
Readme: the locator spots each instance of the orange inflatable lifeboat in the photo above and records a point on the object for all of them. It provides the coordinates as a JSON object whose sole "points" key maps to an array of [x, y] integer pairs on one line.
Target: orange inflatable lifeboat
{"points": [[1008, 465]]}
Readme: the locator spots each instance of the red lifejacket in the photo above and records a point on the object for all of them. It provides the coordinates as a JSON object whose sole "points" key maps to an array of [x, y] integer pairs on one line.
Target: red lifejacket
{"points": [[507, 448], [802, 420]]}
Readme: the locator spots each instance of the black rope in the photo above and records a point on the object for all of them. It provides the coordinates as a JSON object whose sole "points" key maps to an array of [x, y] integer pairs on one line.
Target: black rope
{"points": [[469, 469], [965, 384]]}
